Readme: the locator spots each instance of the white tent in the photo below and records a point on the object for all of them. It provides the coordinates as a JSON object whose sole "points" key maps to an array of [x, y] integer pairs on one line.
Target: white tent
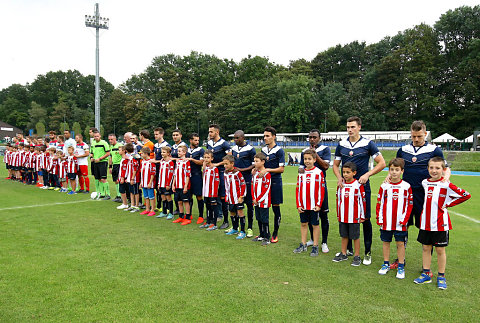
{"points": [[445, 138], [468, 139]]}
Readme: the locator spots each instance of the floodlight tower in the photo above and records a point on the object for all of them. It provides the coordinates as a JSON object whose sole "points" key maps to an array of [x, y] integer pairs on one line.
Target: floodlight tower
{"points": [[98, 23]]}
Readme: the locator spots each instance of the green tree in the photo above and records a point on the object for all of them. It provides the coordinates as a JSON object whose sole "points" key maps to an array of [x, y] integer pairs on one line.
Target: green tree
{"points": [[40, 128], [37, 114], [77, 128], [188, 113]]}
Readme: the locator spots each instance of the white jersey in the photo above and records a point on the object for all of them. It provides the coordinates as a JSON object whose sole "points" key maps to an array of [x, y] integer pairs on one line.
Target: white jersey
{"points": [[81, 149], [394, 205]]}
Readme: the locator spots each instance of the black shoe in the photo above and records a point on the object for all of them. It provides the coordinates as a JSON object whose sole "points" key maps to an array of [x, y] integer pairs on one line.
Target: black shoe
{"points": [[80, 191], [117, 199], [340, 257], [224, 225], [105, 198], [86, 192]]}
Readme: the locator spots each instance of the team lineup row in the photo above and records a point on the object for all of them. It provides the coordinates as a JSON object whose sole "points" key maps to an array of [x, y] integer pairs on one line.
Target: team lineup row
{"points": [[225, 178]]}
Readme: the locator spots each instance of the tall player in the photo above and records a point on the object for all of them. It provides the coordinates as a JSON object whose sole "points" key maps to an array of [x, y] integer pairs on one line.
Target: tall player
{"points": [[220, 148], [275, 165], [244, 161], [322, 161], [358, 150], [100, 154], [195, 156], [177, 142], [157, 152]]}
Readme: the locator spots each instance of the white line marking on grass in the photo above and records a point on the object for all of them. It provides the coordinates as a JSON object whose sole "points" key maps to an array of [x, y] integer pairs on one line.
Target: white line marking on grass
{"points": [[464, 216], [40, 205]]}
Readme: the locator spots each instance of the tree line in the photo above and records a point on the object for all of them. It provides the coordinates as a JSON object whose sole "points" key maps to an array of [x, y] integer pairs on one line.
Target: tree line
{"points": [[426, 72]]}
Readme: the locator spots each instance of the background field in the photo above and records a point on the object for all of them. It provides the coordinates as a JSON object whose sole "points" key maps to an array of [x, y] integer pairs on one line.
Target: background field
{"points": [[86, 261]]}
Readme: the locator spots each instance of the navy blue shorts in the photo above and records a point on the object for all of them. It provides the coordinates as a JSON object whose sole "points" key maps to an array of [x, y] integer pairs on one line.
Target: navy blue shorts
{"points": [[123, 188], [134, 188], [368, 200], [233, 208], [277, 191], [71, 176], [261, 214], [196, 184], [221, 185], [164, 191], [386, 236], [418, 199], [310, 216], [248, 197], [324, 206], [182, 197]]}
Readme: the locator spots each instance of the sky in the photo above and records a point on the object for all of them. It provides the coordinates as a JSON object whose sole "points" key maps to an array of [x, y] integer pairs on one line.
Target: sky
{"points": [[38, 36]]}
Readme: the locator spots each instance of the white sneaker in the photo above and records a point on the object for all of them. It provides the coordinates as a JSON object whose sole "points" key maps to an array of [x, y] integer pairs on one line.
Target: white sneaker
{"points": [[401, 273], [384, 270], [367, 260], [309, 243], [123, 206], [325, 248]]}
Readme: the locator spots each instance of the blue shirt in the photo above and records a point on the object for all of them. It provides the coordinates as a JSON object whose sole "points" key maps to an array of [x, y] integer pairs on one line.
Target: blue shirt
{"points": [[244, 156], [323, 152], [220, 150], [358, 153], [157, 149], [416, 162], [275, 159], [175, 149], [197, 154]]}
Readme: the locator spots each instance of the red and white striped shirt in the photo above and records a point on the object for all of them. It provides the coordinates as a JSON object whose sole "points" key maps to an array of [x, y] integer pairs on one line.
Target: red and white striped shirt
{"points": [[21, 158], [26, 161], [147, 173], [62, 168], [14, 159], [39, 163], [261, 187], [72, 164], [33, 160], [8, 155], [53, 166], [310, 189], [165, 173], [133, 170], [123, 168], [235, 186], [211, 180], [182, 172], [394, 205], [351, 202], [438, 196]]}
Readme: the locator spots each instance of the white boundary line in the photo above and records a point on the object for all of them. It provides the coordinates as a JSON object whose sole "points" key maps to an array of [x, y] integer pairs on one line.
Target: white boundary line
{"points": [[40, 205], [464, 216]]}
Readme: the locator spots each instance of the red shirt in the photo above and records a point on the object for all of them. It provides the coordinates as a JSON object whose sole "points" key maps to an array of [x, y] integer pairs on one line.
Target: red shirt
{"points": [[182, 172], [261, 187], [211, 180], [235, 186], [351, 202], [310, 189], [394, 205], [147, 173], [438, 197], [165, 173]]}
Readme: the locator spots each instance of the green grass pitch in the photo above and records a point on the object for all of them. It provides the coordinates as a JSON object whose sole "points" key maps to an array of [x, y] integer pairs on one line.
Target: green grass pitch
{"points": [[86, 261]]}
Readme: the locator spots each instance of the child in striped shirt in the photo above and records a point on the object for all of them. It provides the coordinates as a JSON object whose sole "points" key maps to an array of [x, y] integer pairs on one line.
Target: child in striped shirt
{"points": [[309, 197], [394, 205], [351, 206], [435, 221], [235, 190], [261, 198]]}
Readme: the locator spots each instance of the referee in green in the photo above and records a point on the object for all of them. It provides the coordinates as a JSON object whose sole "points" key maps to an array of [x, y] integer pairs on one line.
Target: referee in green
{"points": [[100, 151], [114, 163]]}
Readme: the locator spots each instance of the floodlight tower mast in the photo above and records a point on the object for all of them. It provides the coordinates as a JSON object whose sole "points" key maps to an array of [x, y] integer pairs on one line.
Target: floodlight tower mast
{"points": [[98, 23]]}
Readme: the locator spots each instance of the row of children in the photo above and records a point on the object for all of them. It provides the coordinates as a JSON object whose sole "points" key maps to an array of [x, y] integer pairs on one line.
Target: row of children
{"points": [[394, 206], [47, 168]]}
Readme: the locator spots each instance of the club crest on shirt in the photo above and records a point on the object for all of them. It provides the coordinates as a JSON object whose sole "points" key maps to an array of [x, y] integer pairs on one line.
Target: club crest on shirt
{"points": [[268, 157], [414, 159], [351, 153], [395, 195]]}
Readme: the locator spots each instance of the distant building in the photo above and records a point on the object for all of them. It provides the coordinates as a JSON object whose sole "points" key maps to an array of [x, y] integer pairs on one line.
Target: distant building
{"points": [[7, 132]]}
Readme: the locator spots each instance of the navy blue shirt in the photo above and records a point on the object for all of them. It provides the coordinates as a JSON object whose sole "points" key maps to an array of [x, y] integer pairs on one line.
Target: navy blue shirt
{"points": [[244, 156], [157, 149], [416, 162], [220, 150], [175, 149], [275, 159], [323, 152], [358, 153], [197, 154]]}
